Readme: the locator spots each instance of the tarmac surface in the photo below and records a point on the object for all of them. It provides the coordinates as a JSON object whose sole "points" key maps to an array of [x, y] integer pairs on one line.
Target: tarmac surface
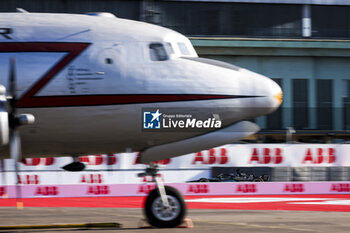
{"points": [[204, 220]]}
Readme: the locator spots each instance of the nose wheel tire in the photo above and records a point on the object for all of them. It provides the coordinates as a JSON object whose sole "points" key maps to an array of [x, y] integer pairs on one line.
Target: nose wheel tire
{"points": [[165, 217]]}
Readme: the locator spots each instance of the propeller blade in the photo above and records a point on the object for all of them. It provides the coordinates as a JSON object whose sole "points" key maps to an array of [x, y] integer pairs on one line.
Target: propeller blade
{"points": [[15, 140], [12, 88], [15, 151]]}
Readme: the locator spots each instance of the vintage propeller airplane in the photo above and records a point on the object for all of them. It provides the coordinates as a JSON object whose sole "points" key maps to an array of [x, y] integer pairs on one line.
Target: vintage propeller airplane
{"points": [[90, 81]]}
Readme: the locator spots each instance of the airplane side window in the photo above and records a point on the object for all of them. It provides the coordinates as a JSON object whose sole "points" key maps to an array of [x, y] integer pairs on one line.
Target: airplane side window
{"points": [[183, 48], [109, 61], [158, 52]]}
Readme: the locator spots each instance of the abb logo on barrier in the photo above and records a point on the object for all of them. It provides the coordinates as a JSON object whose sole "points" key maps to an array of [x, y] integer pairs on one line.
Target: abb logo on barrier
{"points": [[47, 191], [340, 188], [292, 188], [266, 156], [110, 159], [214, 156], [91, 179], [246, 188], [29, 179], [319, 155], [38, 161], [98, 190], [198, 188], [146, 188]]}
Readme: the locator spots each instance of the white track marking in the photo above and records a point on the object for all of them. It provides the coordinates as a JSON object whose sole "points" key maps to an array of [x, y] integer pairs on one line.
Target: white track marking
{"points": [[329, 202], [253, 199]]}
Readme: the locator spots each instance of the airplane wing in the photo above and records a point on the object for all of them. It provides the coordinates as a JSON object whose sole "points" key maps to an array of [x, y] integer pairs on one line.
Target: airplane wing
{"points": [[219, 137]]}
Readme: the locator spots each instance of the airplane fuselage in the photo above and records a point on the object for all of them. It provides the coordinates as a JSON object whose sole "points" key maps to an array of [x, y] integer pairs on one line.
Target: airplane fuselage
{"points": [[87, 79]]}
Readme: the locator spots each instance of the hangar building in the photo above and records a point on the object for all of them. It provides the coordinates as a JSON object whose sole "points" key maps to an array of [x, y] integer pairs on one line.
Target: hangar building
{"points": [[304, 45]]}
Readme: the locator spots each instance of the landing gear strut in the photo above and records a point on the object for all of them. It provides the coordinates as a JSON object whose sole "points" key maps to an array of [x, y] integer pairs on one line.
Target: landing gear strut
{"points": [[164, 206]]}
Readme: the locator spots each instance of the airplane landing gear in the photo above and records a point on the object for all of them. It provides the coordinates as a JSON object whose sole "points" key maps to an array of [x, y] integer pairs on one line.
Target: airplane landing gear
{"points": [[164, 206]]}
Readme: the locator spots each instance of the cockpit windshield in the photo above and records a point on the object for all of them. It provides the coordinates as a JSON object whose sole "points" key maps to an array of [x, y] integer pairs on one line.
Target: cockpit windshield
{"points": [[169, 48], [183, 49]]}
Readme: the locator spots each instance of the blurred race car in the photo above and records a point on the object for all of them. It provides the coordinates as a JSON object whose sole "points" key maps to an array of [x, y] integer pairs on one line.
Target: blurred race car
{"points": [[238, 176]]}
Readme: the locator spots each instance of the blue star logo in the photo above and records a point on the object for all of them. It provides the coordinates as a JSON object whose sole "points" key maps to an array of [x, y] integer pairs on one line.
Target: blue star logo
{"points": [[151, 120]]}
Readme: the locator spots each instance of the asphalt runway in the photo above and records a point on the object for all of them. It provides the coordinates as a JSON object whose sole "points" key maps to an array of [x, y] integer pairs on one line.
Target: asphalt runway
{"points": [[205, 221], [249, 213]]}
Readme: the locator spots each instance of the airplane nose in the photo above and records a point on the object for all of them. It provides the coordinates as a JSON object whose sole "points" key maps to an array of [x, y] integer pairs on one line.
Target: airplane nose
{"points": [[270, 92], [275, 93], [279, 97]]}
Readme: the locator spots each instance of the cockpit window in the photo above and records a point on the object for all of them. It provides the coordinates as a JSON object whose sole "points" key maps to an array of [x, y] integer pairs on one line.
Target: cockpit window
{"points": [[169, 48], [183, 48], [158, 52]]}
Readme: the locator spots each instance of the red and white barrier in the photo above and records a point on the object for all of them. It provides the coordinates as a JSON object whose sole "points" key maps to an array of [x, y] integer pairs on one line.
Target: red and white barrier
{"points": [[123, 168], [284, 155], [226, 188]]}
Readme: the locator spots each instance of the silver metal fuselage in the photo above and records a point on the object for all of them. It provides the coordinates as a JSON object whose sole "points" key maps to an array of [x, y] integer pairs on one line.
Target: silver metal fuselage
{"points": [[86, 80]]}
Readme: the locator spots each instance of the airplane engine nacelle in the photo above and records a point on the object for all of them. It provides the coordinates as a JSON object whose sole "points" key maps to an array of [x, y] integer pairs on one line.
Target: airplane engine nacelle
{"points": [[4, 118], [213, 139]]}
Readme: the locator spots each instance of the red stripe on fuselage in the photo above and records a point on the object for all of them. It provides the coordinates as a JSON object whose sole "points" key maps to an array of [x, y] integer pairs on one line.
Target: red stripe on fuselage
{"points": [[94, 100]]}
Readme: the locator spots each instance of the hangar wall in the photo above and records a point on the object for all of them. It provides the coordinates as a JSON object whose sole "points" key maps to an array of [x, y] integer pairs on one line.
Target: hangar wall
{"points": [[124, 9], [314, 76]]}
